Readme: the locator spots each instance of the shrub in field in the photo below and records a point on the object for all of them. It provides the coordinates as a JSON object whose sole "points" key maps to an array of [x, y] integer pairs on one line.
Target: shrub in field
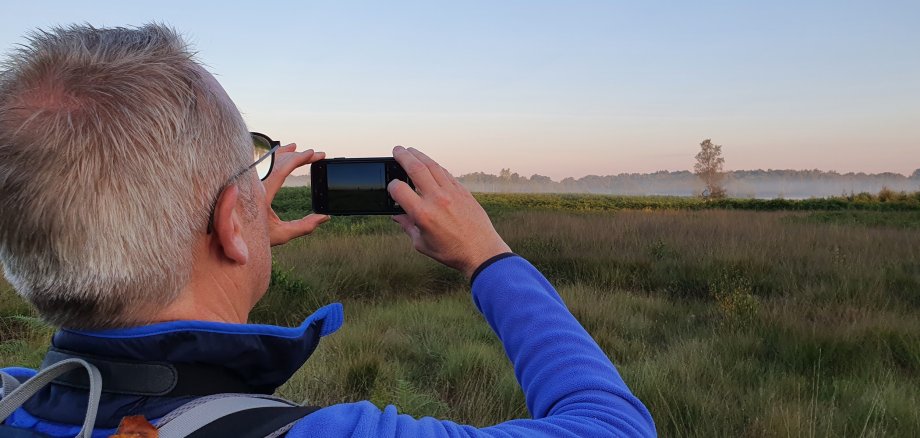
{"points": [[888, 195], [284, 283], [860, 197], [360, 378], [659, 250], [288, 299], [408, 397], [733, 293], [903, 281]]}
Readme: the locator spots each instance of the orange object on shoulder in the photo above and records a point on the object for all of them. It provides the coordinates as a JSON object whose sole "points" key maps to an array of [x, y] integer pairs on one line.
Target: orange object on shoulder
{"points": [[135, 426]]}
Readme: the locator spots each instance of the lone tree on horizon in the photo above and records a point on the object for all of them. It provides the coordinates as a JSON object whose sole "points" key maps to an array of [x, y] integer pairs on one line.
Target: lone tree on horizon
{"points": [[708, 167]]}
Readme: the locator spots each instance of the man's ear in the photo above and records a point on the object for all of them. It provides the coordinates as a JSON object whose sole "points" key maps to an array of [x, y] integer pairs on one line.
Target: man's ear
{"points": [[228, 226]]}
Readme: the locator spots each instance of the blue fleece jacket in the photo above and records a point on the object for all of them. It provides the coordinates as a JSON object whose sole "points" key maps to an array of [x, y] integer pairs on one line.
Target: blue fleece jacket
{"points": [[571, 388]]}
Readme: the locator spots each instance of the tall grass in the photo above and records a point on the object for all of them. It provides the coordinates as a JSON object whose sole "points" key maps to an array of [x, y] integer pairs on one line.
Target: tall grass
{"points": [[725, 322], [779, 377], [23, 336], [667, 252]]}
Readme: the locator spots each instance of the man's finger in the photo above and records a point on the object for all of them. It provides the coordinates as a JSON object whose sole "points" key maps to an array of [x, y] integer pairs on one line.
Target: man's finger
{"points": [[404, 196], [290, 161], [286, 164], [308, 224], [404, 220], [437, 172], [408, 225], [291, 230], [417, 170]]}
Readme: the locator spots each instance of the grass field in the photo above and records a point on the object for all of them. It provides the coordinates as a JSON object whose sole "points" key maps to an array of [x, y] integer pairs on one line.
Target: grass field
{"points": [[728, 318]]}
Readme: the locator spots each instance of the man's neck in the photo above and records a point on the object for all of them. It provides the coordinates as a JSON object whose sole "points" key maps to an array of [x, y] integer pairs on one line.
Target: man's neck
{"points": [[211, 295], [195, 308]]}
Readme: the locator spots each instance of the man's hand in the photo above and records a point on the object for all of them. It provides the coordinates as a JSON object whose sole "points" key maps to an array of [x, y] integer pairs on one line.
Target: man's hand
{"points": [[443, 219], [286, 160]]}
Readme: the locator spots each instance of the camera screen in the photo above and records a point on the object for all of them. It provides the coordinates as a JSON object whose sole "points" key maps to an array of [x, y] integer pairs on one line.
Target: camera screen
{"points": [[357, 186]]}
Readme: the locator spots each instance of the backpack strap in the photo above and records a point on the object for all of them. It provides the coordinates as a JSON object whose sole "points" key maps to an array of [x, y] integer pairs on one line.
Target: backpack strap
{"points": [[255, 423], [14, 399], [8, 383], [235, 415]]}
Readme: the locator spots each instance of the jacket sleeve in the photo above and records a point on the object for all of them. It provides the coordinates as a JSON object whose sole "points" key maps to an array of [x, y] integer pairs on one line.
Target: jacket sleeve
{"points": [[571, 387]]}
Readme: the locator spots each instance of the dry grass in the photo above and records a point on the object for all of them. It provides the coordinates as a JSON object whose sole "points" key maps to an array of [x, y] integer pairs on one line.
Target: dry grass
{"points": [[825, 342]]}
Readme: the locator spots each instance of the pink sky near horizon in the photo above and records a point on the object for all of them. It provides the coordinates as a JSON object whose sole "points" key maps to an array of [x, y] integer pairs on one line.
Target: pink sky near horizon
{"points": [[557, 88], [564, 146]]}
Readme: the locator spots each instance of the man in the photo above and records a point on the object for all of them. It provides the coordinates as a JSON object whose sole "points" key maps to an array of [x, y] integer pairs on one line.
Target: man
{"points": [[131, 217]]}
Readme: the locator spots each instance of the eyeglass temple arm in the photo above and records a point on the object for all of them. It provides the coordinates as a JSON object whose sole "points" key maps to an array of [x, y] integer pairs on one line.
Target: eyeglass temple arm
{"points": [[266, 155]]}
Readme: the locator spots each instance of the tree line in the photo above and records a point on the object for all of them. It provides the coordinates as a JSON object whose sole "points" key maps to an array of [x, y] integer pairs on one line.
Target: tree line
{"points": [[739, 183], [707, 180]]}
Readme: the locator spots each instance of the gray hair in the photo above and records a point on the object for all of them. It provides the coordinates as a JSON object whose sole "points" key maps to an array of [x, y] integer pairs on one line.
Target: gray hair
{"points": [[113, 147]]}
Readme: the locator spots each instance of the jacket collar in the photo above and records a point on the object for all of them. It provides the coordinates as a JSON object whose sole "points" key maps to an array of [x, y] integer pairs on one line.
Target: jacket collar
{"points": [[265, 356]]}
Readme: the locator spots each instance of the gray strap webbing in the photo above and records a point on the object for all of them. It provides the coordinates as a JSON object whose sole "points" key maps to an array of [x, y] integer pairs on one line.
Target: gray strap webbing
{"points": [[206, 413], [8, 383], [17, 397]]}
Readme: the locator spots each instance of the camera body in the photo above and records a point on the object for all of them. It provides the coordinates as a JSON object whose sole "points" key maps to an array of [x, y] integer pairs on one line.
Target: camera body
{"points": [[355, 186]]}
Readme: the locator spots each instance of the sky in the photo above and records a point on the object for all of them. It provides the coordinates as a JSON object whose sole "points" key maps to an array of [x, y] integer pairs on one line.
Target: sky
{"points": [[560, 88]]}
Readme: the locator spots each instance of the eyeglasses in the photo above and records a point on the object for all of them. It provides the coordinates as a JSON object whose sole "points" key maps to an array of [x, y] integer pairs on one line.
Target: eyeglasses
{"points": [[263, 155]]}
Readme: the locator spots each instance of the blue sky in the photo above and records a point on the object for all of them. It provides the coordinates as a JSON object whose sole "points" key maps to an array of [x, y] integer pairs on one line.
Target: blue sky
{"points": [[560, 88]]}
